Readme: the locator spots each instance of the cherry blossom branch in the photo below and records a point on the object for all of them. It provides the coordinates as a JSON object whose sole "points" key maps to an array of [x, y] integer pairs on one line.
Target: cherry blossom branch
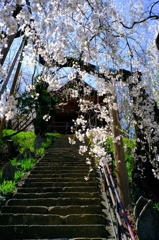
{"points": [[156, 17]]}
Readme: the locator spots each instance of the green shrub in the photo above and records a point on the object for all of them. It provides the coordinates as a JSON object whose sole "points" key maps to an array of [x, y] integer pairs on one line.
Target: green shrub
{"points": [[27, 164], [14, 162], [18, 175], [7, 132], [23, 141], [40, 151], [156, 206], [0, 176], [7, 186]]}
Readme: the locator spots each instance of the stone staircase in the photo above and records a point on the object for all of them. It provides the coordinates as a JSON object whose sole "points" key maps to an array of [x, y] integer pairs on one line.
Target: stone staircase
{"points": [[55, 202]]}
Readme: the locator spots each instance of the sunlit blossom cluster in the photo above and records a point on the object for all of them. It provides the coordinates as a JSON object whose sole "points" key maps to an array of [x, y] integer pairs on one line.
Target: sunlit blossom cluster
{"points": [[7, 106]]}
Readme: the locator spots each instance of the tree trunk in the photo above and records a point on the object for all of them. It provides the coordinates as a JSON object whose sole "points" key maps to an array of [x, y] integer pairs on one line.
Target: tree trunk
{"points": [[122, 177], [5, 50], [12, 67], [13, 84]]}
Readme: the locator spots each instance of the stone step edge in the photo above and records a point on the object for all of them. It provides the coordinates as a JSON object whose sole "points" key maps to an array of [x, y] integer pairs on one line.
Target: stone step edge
{"points": [[68, 239], [74, 194], [51, 215], [58, 198], [64, 210], [65, 239]]}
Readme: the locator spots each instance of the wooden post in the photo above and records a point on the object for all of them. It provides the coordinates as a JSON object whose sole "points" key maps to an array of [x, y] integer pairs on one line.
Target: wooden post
{"points": [[122, 177], [10, 148]]}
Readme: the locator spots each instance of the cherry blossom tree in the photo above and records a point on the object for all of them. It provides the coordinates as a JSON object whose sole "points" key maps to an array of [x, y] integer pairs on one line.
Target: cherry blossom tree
{"points": [[91, 36]]}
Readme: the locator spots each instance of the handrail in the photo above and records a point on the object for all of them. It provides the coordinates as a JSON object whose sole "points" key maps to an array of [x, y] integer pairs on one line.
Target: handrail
{"points": [[116, 202]]}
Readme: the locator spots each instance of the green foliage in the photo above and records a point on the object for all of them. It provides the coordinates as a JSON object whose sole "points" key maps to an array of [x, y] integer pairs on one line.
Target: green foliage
{"points": [[110, 145], [49, 138], [27, 164], [38, 100], [14, 162], [53, 136], [24, 165], [7, 186], [0, 176], [156, 206], [40, 151], [129, 146], [25, 103], [7, 132], [45, 105], [18, 175], [23, 141]]}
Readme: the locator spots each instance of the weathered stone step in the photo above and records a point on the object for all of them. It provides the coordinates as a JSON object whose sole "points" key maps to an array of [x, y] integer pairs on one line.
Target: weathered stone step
{"points": [[72, 239], [62, 168], [54, 170], [62, 165], [57, 174], [75, 239], [62, 171], [60, 210], [57, 189], [57, 194], [49, 175], [58, 184], [51, 219], [53, 202], [60, 161], [57, 231], [57, 179], [58, 158], [63, 157], [55, 151]]}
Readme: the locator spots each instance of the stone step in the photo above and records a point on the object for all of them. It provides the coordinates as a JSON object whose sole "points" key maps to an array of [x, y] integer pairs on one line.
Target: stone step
{"points": [[54, 151], [57, 174], [57, 189], [62, 157], [59, 184], [59, 210], [72, 239], [53, 202], [49, 175], [74, 162], [59, 179], [64, 166], [51, 219], [57, 171], [68, 170], [57, 194], [57, 231]]}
